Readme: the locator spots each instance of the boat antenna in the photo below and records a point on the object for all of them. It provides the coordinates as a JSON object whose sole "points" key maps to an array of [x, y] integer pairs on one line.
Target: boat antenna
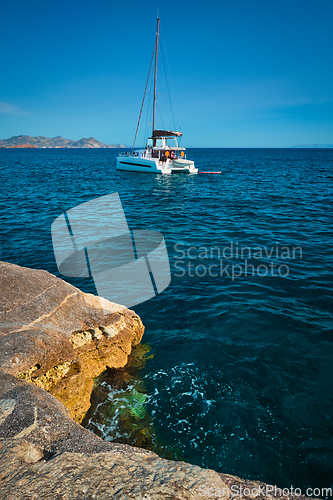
{"points": [[155, 78], [144, 96]]}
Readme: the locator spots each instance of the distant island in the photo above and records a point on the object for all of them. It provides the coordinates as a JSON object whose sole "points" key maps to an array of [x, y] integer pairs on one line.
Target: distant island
{"points": [[26, 141], [315, 146]]}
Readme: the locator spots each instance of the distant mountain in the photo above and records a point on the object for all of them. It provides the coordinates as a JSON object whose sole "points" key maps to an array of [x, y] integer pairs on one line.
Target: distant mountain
{"points": [[92, 143], [55, 142], [315, 146]]}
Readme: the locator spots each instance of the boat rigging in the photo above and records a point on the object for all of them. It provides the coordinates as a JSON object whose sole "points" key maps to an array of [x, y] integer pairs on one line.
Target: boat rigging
{"points": [[162, 154]]}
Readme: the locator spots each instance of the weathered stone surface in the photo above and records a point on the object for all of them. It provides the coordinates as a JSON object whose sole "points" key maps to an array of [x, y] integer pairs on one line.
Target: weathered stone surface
{"points": [[60, 338], [45, 454]]}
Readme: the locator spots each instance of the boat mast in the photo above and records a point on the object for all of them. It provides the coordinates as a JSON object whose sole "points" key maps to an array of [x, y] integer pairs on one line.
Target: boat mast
{"points": [[156, 54], [144, 96]]}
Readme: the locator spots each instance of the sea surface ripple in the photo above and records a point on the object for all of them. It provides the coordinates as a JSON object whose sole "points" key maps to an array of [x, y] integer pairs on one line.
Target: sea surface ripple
{"points": [[240, 374]]}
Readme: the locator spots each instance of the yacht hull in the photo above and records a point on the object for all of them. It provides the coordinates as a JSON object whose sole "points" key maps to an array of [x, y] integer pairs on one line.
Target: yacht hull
{"points": [[154, 166]]}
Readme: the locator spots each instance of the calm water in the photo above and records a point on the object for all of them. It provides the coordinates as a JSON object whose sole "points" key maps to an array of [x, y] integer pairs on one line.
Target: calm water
{"points": [[239, 376]]}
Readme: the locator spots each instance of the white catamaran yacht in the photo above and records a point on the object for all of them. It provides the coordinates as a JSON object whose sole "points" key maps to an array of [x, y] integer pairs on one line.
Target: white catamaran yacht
{"points": [[162, 154]]}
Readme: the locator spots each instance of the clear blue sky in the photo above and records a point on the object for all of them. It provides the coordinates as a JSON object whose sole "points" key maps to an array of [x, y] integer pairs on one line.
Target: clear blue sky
{"points": [[245, 73]]}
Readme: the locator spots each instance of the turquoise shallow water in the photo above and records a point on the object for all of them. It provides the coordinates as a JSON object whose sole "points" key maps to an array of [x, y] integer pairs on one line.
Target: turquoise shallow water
{"points": [[241, 377]]}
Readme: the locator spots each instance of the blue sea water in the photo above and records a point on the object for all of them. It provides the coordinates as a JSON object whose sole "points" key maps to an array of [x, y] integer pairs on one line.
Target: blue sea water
{"points": [[240, 379]]}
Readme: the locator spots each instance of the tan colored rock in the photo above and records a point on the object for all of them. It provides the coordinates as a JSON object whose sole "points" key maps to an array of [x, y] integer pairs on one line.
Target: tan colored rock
{"points": [[59, 338], [45, 454]]}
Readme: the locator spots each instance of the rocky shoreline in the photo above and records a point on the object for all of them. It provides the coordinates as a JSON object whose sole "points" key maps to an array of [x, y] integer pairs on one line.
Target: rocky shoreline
{"points": [[54, 341]]}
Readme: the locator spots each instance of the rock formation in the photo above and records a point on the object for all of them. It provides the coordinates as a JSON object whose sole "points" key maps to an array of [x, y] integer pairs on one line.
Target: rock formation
{"points": [[59, 338]]}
